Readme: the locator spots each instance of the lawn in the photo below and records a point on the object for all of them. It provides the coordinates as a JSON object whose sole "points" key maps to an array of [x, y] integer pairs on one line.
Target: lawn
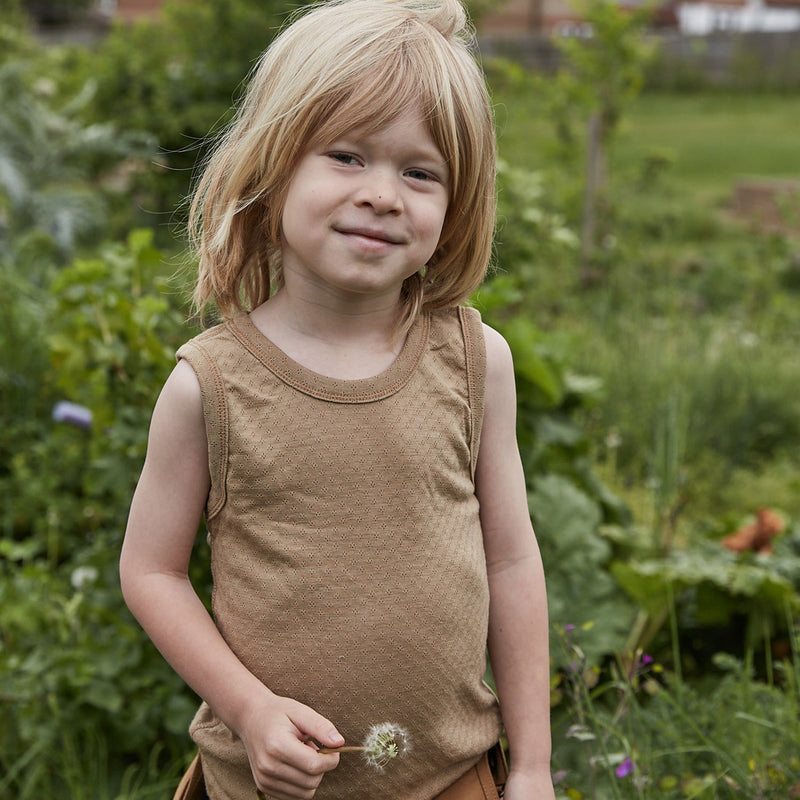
{"points": [[712, 139]]}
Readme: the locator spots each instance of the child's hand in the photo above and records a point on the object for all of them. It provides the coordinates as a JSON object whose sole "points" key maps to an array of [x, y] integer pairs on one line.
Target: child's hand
{"points": [[285, 767]]}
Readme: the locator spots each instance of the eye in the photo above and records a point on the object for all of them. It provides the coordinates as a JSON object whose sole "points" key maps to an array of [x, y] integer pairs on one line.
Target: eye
{"points": [[343, 158], [421, 175]]}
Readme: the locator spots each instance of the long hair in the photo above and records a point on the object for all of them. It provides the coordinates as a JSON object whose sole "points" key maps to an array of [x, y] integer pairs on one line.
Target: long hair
{"points": [[346, 65]]}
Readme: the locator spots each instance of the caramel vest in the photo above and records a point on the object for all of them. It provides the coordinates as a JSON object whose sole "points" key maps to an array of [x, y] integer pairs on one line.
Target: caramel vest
{"points": [[347, 552]]}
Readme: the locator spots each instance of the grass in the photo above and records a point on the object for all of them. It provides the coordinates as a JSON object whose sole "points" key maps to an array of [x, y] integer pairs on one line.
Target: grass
{"points": [[713, 138]]}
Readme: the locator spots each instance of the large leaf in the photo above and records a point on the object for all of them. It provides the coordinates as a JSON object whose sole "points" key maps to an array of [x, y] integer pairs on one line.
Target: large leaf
{"points": [[580, 590], [720, 584]]}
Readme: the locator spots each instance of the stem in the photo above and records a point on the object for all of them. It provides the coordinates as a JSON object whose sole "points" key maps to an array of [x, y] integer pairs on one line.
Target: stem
{"points": [[347, 748]]}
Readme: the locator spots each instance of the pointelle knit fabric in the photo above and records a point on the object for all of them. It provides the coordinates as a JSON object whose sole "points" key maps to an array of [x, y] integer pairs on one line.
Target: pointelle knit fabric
{"points": [[347, 552]]}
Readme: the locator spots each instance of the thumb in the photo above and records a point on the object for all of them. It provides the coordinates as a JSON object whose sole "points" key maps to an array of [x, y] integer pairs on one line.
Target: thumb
{"points": [[315, 726]]}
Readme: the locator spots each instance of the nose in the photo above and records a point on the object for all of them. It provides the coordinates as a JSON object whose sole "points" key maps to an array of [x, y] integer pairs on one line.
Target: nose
{"points": [[380, 190]]}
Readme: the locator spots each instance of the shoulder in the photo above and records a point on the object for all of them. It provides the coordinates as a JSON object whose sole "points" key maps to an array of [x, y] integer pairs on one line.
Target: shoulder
{"points": [[498, 353], [180, 404], [499, 362], [206, 339]]}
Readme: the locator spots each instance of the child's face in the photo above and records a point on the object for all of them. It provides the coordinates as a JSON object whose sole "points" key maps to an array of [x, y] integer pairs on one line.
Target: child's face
{"points": [[365, 212]]}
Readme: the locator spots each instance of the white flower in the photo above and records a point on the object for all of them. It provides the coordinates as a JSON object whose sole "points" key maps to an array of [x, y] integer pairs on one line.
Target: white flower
{"points": [[83, 577], [385, 742]]}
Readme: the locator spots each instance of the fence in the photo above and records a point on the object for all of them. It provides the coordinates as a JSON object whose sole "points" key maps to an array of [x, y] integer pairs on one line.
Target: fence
{"points": [[751, 60]]}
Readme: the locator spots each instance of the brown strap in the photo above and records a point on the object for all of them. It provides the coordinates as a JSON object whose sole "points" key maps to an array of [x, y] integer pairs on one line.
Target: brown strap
{"points": [[477, 784], [192, 785]]}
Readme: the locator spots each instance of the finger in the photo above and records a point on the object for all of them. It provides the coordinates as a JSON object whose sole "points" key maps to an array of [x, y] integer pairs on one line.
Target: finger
{"points": [[299, 767], [278, 788], [314, 725]]}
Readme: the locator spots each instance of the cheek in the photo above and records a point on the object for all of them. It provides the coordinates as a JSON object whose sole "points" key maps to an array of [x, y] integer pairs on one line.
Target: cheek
{"points": [[442, 225], [436, 216]]}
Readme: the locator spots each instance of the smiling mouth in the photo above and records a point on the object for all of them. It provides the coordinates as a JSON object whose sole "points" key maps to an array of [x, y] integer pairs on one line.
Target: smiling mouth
{"points": [[369, 234]]}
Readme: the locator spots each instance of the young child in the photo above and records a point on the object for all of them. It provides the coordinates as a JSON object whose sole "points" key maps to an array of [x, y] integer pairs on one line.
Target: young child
{"points": [[349, 433]]}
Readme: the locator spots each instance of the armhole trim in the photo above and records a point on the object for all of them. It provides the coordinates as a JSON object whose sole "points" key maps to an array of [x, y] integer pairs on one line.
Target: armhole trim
{"points": [[475, 352], [215, 416]]}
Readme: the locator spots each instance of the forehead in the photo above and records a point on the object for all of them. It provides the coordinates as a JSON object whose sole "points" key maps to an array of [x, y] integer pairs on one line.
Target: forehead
{"points": [[409, 126]]}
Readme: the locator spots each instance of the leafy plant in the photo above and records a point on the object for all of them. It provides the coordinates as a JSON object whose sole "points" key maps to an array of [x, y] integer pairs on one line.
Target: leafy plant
{"points": [[51, 164], [604, 71], [640, 733], [568, 502], [176, 77], [72, 659], [714, 585]]}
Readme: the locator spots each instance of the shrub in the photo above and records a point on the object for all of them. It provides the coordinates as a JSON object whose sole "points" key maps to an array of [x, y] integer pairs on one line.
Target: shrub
{"points": [[73, 661]]}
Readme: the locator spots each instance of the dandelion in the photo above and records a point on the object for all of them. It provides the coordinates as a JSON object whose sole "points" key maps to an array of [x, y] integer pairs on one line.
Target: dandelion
{"points": [[385, 742]]}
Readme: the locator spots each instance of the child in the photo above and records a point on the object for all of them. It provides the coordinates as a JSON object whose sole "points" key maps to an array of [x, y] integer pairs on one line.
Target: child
{"points": [[349, 433]]}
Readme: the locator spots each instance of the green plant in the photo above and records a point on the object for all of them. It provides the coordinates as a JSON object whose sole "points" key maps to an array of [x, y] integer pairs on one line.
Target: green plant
{"points": [[567, 501], [603, 73], [637, 732], [52, 163], [72, 660], [176, 77]]}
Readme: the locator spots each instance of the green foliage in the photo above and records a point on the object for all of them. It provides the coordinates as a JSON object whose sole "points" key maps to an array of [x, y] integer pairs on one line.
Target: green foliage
{"points": [[567, 501], [175, 77], [607, 67], [581, 590], [52, 164], [639, 733], [73, 661], [717, 585]]}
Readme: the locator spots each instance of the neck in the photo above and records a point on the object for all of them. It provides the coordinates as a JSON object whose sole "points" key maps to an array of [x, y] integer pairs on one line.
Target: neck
{"points": [[332, 318], [360, 342]]}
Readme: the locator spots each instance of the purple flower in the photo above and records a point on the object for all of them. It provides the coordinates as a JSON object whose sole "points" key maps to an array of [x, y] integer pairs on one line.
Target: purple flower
{"points": [[569, 627], [624, 769], [72, 413], [646, 659]]}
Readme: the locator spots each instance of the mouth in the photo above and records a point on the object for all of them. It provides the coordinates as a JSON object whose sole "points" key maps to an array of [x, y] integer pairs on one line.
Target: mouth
{"points": [[370, 235]]}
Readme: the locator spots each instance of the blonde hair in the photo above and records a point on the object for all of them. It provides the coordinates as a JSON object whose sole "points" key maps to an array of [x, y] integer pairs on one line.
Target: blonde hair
{"points": [[344, 65]]}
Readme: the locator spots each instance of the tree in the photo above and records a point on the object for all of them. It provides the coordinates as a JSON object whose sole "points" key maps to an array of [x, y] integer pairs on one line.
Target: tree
{"points": [[603, 73]]}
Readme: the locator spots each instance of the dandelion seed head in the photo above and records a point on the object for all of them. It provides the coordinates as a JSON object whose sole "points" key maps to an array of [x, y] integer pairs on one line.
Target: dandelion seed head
{"points": [[385, 742]]}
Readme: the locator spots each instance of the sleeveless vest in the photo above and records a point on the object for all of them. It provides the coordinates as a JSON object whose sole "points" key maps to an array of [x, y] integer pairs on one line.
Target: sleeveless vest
{"points": [[347, 552]]}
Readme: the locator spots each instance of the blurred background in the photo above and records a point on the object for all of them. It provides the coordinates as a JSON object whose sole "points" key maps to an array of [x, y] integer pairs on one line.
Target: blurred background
{"points": [[646, 275]]}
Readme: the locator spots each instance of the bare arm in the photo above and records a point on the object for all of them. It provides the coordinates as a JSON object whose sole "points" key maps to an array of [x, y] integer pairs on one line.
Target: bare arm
{"points": [[518, 622], [164, 517]]}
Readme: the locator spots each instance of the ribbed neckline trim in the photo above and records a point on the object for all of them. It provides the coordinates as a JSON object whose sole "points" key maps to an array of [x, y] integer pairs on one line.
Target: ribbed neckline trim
{"points": [[362, 390]]}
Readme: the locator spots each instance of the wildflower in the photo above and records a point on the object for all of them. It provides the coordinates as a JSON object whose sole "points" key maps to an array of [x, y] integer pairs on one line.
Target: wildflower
{"points": [[385, 742], [72, 413], [624, 769], [82, 577]]}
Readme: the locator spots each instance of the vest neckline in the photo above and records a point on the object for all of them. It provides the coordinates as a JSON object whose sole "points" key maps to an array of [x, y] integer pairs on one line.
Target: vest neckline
{"points": [[323, 387]]}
